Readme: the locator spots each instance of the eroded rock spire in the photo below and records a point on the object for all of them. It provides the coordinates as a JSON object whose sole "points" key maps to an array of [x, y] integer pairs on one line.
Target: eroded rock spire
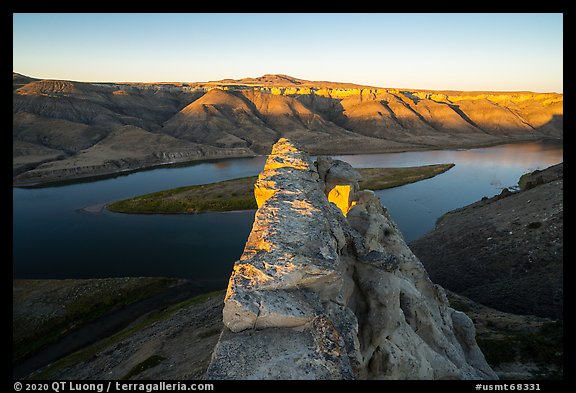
{"points": [[327, 288]]}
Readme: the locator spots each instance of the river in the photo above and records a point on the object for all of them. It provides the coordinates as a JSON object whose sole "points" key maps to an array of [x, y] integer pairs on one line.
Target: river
{"points": [[55, 238]]}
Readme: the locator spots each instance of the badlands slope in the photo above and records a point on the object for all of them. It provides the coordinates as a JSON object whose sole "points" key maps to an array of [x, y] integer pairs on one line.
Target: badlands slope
{"points": [[66, 130]]}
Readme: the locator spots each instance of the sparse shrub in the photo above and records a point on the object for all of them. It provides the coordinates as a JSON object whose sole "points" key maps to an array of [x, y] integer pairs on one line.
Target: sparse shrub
{"points": [[152, 361], [534, 225], [544, 348], [497, 351], [491, 324], [460, 306]]}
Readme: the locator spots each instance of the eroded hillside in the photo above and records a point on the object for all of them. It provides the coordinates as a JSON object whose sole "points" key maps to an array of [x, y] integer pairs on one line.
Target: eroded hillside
{"points": [[64, 130]]}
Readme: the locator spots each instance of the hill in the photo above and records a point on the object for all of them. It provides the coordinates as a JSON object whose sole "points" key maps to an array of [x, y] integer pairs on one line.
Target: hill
{"points": [[505, 252], [60, 127]]}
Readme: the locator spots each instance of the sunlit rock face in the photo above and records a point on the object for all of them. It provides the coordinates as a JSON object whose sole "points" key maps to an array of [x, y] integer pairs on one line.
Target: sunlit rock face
{"points": [[340, 182], [327, 288]]}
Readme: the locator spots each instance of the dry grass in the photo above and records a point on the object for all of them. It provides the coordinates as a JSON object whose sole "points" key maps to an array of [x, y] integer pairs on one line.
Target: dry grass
{"points": [[382, 178]]}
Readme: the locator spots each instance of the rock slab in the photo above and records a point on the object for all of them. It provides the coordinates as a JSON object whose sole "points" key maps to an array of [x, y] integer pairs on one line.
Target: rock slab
{"points": [[328, 289]]}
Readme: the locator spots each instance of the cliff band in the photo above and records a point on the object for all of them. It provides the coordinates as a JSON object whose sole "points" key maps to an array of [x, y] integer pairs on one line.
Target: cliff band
{"points": [[65, 130], [327, 288]]}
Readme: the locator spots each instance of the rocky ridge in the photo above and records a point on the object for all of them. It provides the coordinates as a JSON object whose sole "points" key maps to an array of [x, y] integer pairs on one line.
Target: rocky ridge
{"points": [[331, 290]]}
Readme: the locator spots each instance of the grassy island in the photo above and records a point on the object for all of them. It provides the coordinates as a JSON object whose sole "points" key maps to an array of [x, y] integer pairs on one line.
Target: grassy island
{"points": [[238, 194]]}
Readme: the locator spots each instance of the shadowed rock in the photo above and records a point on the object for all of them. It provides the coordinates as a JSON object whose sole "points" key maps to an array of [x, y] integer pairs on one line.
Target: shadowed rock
{"points": [[316, 295]]}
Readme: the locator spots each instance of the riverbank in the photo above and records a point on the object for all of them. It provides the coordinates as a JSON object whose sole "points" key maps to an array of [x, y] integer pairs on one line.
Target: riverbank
{"points": [[238, 194], [38, 183], [507, 251], [71, 176], [46, 310], [54, 318], [169, 343]]}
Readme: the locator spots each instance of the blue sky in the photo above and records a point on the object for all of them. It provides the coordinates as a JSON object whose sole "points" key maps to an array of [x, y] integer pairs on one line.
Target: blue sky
{"points": [[425, 51]]}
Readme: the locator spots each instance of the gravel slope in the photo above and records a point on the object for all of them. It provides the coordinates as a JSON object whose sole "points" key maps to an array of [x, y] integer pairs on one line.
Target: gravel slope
{"points": [[505, 252]]}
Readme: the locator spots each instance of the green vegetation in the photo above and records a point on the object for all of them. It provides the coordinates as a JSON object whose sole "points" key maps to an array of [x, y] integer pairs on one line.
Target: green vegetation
{"points": [[513, 341], [460, 306], [86, 353], [497, 350], [152, 361], [544, 348], [382, 178], [238, 194], [523, 181], [28, 339]]}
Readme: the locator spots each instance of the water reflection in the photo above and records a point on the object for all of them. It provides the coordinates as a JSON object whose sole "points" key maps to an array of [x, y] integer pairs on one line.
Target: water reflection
{"points": [[527, 155], [478, 173], [53, 239]]}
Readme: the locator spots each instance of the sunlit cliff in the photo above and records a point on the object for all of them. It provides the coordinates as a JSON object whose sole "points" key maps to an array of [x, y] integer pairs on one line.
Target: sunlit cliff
{"points": [[65, 129], [331, 291]]}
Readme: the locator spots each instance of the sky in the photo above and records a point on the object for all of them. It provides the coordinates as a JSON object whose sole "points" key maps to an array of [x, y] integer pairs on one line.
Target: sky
{"points": [[500, 52]]}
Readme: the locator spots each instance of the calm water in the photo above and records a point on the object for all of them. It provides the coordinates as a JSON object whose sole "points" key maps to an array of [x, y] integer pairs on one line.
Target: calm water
{"points": [[54, 238]]}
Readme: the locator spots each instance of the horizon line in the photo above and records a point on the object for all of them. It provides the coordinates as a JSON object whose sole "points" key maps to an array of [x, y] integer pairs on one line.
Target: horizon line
{"points": [[285, 75]]}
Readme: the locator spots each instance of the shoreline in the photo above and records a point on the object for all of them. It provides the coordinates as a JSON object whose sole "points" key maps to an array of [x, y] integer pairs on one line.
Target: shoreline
{"points": [[124, 172], [237, 194], [108, 211], [110, 175]]}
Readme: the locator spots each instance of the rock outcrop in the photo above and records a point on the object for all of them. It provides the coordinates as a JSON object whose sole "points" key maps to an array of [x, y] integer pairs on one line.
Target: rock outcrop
{"points": [[331, 290]]}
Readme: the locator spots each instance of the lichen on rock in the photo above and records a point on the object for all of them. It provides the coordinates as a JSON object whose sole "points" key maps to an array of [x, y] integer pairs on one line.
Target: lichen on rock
{"points": [[327, 288]]}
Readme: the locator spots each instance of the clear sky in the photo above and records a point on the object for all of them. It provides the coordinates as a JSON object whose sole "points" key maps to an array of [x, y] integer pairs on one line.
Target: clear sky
{"points": [[426, 51]]}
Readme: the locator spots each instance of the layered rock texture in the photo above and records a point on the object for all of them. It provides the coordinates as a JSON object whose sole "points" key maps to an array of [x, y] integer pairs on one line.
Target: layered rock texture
{"points": [[331, 291], [64, 130]]}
